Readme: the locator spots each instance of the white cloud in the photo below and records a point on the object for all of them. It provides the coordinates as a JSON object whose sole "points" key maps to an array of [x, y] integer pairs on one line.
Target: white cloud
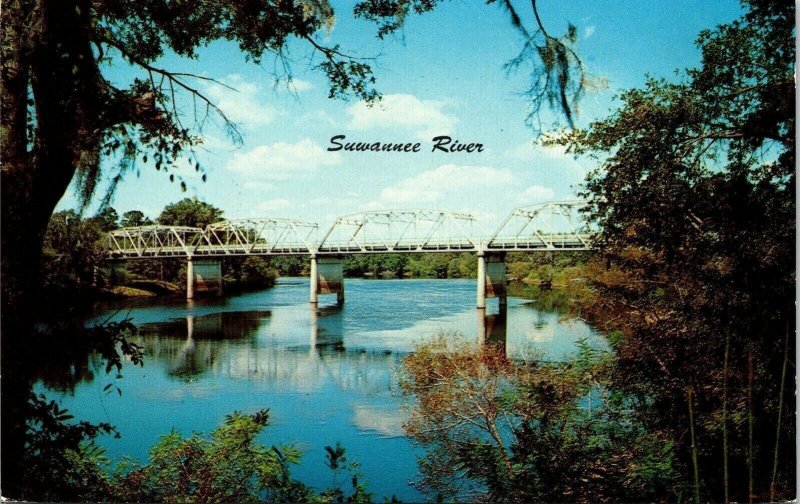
{"points": [[244, 105], [445, 181], [272, 205], [213, 144], [318, 116], [538, 194], [281, 161], [589, 31], [425, 118]]}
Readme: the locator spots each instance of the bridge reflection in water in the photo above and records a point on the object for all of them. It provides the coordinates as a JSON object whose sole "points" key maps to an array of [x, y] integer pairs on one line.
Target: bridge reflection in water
{"points": [[223, 343]]}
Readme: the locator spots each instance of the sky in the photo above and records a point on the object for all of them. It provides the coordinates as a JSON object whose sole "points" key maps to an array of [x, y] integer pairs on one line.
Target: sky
{"points": [[442, 74]]}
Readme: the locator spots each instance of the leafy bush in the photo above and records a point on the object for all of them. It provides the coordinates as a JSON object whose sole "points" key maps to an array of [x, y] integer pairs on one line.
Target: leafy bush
{"points": [[513, 431], [228, 466]]}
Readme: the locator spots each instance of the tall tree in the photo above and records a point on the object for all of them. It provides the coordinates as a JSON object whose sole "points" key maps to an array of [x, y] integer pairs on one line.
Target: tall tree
{"points": [[190, 212], [133, 218], [695, 200], [107, 219]]}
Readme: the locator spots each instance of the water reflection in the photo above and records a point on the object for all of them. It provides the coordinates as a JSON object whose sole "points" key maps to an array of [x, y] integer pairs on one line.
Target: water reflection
{"points": [[327, 374], [227, 343], [236, 345], [326, 328], [492, 328], [188, 346]]}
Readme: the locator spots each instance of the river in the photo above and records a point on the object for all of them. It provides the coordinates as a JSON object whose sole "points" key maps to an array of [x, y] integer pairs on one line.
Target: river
{"points": [[326, 375]]}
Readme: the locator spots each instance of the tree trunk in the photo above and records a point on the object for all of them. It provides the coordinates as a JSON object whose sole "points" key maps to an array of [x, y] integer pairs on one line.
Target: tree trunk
{"points": [[46, 50]]}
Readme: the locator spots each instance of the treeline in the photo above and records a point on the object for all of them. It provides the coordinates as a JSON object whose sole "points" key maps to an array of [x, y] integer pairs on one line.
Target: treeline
{"points": [[411, 265], [541, 269], [74, 256]]}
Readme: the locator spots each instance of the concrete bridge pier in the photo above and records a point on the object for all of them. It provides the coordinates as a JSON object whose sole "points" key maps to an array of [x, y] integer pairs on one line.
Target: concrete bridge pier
{"points": [[481, 281], [203, 276], [491, 278], [327, 277], [314, 280]]}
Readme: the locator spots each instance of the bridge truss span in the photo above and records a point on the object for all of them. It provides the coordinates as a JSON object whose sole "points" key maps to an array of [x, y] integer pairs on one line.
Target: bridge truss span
{"points": [[554, 226], [265, 236], [401, 231], [549, 226], [153, 241], [261, 236]]}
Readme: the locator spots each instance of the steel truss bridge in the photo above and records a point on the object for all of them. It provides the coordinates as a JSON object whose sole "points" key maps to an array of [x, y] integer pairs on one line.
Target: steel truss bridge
{"points": [[552, 226]]}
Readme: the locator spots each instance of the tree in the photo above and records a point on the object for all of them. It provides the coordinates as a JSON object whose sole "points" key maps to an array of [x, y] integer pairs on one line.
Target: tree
{"points": [[134, 218], [72, 251], [107, 219], [190, 212], [695, 202], [228, 467], [250, 272], [512, 431]]}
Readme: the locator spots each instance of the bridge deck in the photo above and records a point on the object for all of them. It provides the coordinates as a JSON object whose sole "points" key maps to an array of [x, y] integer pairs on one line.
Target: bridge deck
{"points": [[349, 249]]}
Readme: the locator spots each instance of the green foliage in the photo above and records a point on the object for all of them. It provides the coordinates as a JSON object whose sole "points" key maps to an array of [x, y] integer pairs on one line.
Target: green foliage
{"points": [[257, 271], [695, 200], [228, 466], [428, 265], [249, 272], [337, 462], [61, 461], [290, 265], [190, 212], [376, 265], [107, 219], [523, 432], [169, 270], [73, 252], [134, 218]]}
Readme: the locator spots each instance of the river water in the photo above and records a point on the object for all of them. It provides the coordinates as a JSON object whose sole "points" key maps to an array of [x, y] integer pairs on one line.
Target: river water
{"points": [[327, 375]]}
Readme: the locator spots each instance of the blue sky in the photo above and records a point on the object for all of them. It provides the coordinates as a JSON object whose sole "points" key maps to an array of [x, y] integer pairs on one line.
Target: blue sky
{"points": [[441, 75]]}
